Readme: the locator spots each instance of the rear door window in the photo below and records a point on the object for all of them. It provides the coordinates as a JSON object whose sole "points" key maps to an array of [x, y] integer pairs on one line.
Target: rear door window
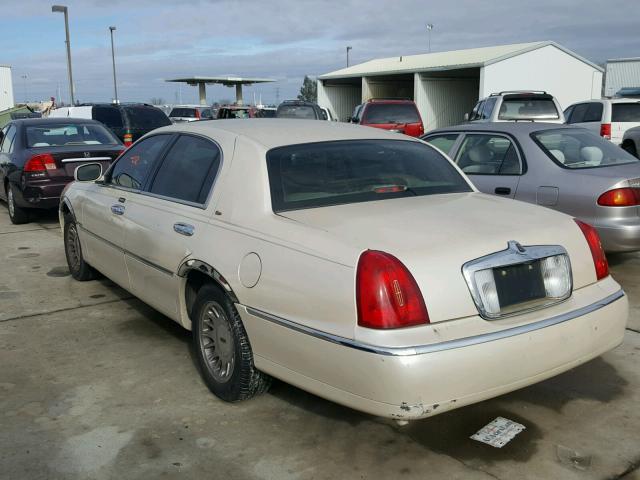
{"points": [[134, 167], [146, 118], [593, 113], [444, 142], [625, 112], [487, 154], [188, 170]]}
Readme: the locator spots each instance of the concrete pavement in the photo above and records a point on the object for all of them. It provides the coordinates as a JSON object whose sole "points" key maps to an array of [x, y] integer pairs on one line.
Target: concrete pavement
{"points": [[96, 385]]}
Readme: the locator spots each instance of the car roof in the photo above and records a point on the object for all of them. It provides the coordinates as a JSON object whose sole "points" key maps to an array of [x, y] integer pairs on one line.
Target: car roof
{"points": [[278, 132], [190, 106], [53, 121], [502, 127]]}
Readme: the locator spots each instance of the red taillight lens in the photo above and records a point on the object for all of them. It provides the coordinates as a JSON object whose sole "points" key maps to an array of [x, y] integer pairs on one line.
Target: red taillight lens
{"points": [[620, 197], [128, 139], [197, 114], [605, 131], [597, 252], [40, 163], [387, 295]]}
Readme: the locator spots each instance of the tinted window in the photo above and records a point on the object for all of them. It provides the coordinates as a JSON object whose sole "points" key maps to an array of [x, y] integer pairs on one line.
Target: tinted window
{"points": [[133, 168], [625, 112], [330, 173], [488, 155], [183, 112], [188, 170], [579, 148], [206, 113], [593, 113], [526, 108], [380, 113], [443, 142], [475, 113], [110, 116], [7, 142], [567, 113], [264, 113], [296, 111], [579, 112], [146, 118], [487, 109], [68, 134], [233, 113]]}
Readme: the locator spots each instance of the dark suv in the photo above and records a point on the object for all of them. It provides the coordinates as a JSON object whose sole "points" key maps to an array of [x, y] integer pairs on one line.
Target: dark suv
{"points": [[400, 116], [300, 109], [129, 121]]}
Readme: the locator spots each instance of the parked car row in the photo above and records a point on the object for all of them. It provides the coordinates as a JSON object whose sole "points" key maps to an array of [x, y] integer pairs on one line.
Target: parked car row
{"points": [[357, 264]]}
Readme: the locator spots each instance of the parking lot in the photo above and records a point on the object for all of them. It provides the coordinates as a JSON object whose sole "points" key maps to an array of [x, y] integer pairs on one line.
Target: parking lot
{"points": [[95, 384]]}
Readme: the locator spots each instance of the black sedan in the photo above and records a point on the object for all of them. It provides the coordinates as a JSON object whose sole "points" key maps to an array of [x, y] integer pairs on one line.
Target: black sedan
{"points": [[38, 158]]}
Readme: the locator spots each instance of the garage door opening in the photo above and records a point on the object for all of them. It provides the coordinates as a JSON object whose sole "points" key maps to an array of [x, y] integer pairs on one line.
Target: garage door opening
{"points": [[340, 96]]}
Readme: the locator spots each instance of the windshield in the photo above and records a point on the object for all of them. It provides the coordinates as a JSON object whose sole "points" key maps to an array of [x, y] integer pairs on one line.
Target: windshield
{"points": [[391, 113], [527, 108], [147, 118], [296, 111], [579, 148], [331, 173], [61, 134], [625, 112]]}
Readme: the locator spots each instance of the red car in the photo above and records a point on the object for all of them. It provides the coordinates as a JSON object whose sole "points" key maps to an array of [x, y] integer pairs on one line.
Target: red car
{"points": [[400, 116]]}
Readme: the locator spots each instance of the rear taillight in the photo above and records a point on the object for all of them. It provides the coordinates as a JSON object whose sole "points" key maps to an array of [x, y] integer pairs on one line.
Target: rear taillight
{"points": [[421, 130], [597, 252], [128, 139], [40, 163], [605, 130], [620, 197], [197, 114], [387, 295]]}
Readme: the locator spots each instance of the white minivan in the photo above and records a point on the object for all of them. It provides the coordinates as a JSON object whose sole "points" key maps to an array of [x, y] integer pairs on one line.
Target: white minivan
{"points": [[608, 117]]}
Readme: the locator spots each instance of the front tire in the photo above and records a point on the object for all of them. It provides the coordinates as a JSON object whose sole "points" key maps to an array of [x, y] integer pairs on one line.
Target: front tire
{"points": [[80, 270], [222, 348], [18, 215]]}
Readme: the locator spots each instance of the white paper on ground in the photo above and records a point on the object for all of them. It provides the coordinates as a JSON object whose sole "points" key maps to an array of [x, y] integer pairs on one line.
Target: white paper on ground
{"points": [[498, 433]]}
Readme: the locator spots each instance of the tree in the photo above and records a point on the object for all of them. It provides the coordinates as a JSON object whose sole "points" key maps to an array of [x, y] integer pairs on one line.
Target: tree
{"points": [[157, 101], [309, 90]]}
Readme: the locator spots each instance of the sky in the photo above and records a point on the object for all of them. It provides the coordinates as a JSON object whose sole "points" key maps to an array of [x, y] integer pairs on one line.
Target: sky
{"points": [[281, 39]]}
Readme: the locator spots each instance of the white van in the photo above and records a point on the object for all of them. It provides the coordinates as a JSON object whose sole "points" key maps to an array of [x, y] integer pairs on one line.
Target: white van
{"points": [[609, 117]]}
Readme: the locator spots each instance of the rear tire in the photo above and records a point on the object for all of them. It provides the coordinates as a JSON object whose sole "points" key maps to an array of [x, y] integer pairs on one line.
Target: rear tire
{"points": [[630, 147], [18, 215], [222, 348], [80, 270]]}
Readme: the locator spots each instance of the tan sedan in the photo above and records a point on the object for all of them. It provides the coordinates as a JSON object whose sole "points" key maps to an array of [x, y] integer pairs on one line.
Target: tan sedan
{"points": [[354, 263]]}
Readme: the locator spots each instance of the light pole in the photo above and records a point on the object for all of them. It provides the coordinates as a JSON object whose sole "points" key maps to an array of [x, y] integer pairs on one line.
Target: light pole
{"points": [[429, 28], [348, 48], [65, 10], [113, 59], [24, 79]]}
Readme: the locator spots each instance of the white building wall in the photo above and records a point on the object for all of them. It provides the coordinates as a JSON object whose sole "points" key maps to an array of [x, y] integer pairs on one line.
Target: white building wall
{"points": [[549, 68], [622, 74], [6, 88], [339, 99], [444, 101]]}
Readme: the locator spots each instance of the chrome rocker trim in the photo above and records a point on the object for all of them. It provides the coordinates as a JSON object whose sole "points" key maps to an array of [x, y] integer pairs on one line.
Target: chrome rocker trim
{"points": [[441, 346]]}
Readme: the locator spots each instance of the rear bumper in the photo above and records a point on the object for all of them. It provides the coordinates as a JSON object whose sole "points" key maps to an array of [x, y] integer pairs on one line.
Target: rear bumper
{"points": [[418, 382], [40, 196], [620, 238]]}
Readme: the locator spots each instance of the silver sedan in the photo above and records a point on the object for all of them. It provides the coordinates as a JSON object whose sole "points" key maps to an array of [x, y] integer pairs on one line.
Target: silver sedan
{"points": [[561, 167]]}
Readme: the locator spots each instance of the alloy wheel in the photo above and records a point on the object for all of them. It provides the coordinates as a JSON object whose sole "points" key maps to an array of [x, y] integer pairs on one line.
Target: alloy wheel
{"points": [[73, 247]]}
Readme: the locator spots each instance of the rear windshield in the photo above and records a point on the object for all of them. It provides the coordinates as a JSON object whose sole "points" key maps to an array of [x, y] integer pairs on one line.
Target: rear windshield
{"points": [[265, 113], [625, 112], [234, 113], [296, 111], [391, 113], [146, 118], [183, 112], [331, 173], [527, 108], [69, 134], [579, 148]]}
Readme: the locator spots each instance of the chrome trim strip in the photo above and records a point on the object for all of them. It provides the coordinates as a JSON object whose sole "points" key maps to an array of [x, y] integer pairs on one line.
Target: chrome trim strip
{"points": [[127, 252], [441, 346], [85, 159]]}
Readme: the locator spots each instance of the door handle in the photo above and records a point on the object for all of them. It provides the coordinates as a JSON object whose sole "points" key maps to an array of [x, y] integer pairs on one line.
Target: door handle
{"points": [[503, 191], [117, 209], [183, 229]]}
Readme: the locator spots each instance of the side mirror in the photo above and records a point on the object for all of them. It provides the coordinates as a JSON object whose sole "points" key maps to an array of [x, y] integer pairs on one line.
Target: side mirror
{"points": [[88, 172], [466, 117]]}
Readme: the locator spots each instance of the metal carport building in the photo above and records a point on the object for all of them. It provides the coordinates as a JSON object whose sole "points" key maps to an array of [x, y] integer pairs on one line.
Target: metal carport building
{"points": [[446, 85]]}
